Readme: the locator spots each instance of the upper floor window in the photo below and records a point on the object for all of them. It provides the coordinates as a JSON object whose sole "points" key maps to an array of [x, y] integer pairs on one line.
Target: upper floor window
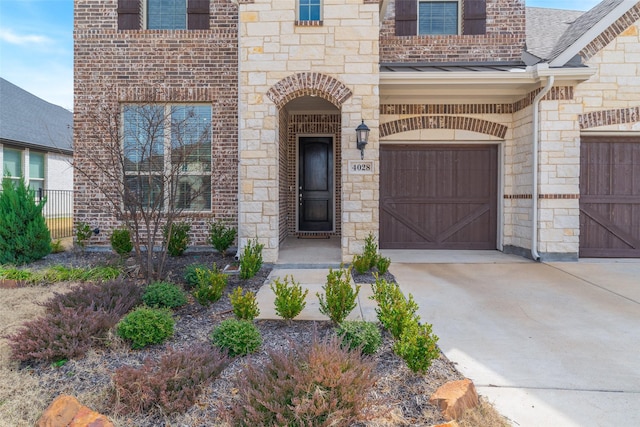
{"points": [[309, 10], [167, 156], [440, 17], [166, 14], [437, 17], [163, 14]]}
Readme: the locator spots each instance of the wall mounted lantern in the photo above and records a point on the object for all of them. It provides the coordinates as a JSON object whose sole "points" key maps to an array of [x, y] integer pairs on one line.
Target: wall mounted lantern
{"points": [[362, 138]]}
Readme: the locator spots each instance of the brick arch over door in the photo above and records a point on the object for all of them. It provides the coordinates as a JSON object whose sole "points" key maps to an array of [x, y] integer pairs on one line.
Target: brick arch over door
{"points": [[312, 84], [443, 122], [609, 117]]}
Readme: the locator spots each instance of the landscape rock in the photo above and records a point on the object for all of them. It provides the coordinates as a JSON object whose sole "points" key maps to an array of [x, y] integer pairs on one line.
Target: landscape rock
{"points": [[66, 411], [455, 397], [449, 424]]}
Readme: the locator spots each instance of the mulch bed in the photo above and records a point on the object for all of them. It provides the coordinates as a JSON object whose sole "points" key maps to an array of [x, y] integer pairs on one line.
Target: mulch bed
{"points": [[405, 394]]}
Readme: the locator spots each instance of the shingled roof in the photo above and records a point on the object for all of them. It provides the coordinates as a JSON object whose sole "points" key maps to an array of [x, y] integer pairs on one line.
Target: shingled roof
{"points": [[545, 27], [29, 121], [558, 36]]}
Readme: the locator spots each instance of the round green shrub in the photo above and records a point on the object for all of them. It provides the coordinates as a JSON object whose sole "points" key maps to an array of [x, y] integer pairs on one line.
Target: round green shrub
{"points": [[238, 337], [360, 334], [121, 241], [164, 294], [191, 274], [145, 326]]}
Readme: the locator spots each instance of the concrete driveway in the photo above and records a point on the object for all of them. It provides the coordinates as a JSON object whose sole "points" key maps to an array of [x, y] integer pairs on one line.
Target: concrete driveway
{"points": [[553, 344]]}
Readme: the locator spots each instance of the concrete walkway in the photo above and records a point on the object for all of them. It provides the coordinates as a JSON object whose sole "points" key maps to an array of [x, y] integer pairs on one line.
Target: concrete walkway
{"points": [[549, 344], [553, 344]]}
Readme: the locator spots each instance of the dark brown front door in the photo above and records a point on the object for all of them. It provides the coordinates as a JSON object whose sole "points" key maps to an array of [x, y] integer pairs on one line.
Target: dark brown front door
{"points": [[438, 197], [610, 197], [315, 184]]}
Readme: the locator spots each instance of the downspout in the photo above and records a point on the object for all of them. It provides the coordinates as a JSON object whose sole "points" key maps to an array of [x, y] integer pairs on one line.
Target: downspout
{"points": [[534, 195]]}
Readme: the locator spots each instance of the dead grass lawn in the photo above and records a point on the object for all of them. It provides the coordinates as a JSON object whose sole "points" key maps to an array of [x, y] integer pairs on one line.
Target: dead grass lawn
{"points": [[22, 400]]}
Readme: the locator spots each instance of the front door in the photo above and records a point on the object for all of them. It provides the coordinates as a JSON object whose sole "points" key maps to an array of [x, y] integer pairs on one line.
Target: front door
{"points": [[315, 184]]}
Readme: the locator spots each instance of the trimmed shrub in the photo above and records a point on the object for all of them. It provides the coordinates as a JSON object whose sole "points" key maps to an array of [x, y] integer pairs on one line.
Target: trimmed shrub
{"points": [[83, 234], [176, 236], [121, 241], [24, 236], [361, 335], [289, 300], [251, 260], [164, 295], [417, 346], [339, 297], [210, 285], [370, 258], [171, 384], [394, 311], [146, 326], [238, 337], [245, 306], [320, 384], [382, 264], [221, 236], [190, 274]]}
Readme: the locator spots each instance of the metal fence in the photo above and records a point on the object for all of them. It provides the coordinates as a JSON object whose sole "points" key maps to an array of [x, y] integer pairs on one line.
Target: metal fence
{"points": [[58, 211]]}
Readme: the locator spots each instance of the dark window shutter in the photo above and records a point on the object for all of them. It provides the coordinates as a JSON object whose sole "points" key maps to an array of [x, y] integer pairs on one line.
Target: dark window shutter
{"points": [[198, 14], [128, 14], [475, 17], [406, 17]]}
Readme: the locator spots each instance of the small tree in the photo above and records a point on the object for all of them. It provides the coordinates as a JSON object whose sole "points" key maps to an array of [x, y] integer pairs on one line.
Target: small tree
{"points": [[151, 161], [24, 236]]}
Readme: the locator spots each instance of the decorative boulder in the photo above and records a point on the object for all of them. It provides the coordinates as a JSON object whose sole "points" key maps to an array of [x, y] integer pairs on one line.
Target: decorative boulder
{"points": [[66, 411], [455, 397]]}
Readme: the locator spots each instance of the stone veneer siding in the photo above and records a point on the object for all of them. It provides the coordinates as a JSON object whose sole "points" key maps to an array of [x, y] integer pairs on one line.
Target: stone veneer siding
{"points": [[126, 66], [280, 61], [503, 41]]}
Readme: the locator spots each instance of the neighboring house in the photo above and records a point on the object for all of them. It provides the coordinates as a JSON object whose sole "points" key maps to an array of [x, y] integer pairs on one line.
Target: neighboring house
{"points": [[484, 117], [36, 144]]}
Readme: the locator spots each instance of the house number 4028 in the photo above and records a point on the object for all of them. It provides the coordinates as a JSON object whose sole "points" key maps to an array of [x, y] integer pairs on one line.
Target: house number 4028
{"points": [[359, 167]]}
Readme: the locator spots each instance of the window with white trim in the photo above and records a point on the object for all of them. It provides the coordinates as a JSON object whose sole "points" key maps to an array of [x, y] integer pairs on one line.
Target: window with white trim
{"points": [[12, 164], [36, 171], [167, 155], [309, 10], [436, 17]]}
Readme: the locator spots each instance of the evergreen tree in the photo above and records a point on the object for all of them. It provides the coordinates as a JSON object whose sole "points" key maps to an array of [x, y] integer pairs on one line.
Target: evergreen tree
{"points": [[24, 236]]}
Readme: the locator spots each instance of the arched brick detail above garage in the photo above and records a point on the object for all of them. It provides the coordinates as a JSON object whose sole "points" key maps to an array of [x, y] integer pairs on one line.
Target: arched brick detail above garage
{"points": [[443, 122], [312, 84], [609, 117]]}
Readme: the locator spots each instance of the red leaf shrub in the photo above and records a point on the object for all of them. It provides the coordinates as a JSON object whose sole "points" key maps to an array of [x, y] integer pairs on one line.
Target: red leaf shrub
{"points": [[320, 384], [171, 384], [74, 321]]}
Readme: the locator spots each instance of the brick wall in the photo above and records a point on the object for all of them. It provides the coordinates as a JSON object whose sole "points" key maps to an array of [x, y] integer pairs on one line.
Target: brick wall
{"points": [[503, 41], [182, 66]]}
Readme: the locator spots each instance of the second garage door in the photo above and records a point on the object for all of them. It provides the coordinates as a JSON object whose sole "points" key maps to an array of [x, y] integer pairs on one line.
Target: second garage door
{"points": [[610, 197], [438, 197]]}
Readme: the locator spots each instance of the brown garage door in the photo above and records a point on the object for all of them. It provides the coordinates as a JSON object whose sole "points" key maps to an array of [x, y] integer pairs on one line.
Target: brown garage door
{"points": [[610, 197], [438, 197]]}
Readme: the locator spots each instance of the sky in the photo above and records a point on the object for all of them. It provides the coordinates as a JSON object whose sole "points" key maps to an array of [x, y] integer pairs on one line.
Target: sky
{"points": [[36, 44]]}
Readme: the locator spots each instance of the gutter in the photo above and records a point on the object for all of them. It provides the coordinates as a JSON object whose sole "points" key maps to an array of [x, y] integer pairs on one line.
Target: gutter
{"points": [[534, 194]]}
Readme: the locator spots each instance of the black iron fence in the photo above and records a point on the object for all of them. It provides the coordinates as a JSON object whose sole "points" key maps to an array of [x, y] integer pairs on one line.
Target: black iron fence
{"points": [[58, 211]]}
